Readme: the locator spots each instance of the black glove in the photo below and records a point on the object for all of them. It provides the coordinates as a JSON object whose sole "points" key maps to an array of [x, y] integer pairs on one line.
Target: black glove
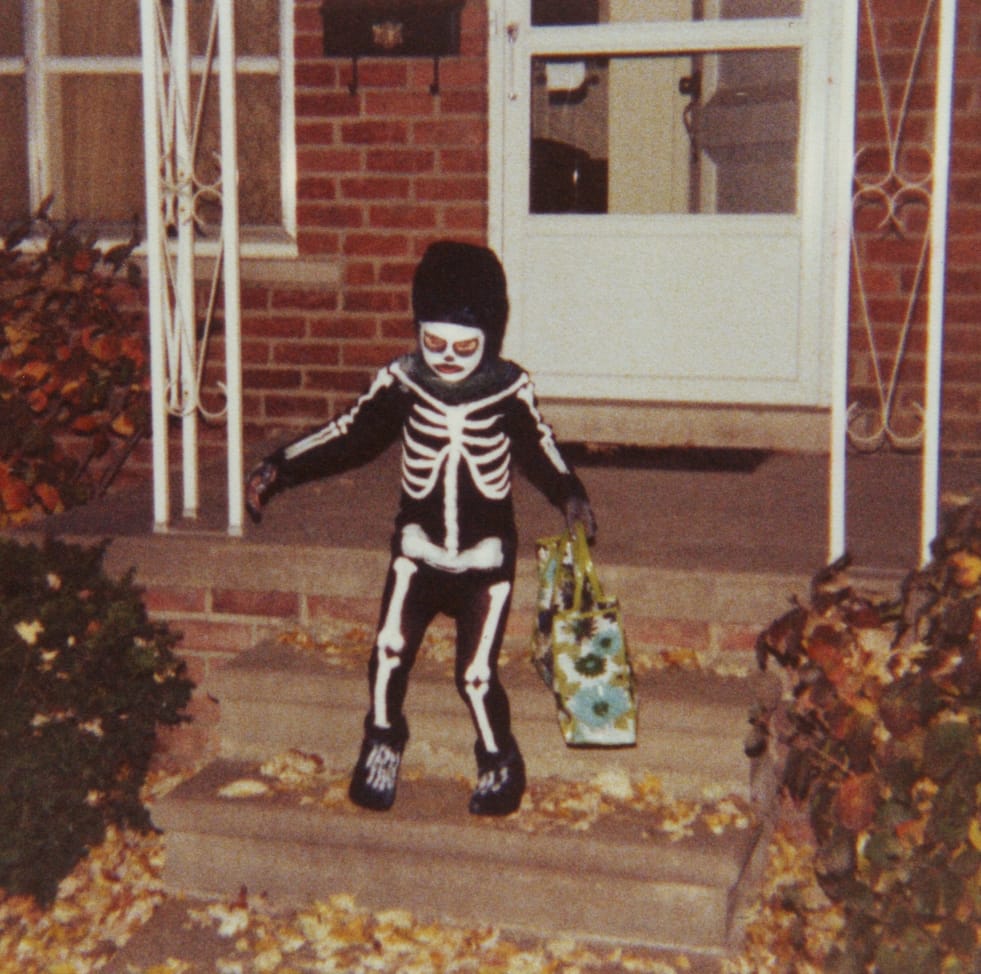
{"points": [[258, 487], [577, 510]]}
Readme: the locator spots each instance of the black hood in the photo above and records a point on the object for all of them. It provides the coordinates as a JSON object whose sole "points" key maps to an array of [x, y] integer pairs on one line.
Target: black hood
{"points": [[463, 284]]}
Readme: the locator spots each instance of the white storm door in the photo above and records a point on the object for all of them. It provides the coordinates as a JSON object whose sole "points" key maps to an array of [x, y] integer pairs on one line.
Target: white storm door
{"points": [[659, 193]]}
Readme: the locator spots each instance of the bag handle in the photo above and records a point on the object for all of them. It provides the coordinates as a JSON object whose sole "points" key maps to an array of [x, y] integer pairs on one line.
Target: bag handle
{"points": [[582, 567]]}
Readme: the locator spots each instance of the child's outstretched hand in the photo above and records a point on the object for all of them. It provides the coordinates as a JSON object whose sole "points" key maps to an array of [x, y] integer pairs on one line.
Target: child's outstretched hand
{"points": [[577, 510], [257, 488]]}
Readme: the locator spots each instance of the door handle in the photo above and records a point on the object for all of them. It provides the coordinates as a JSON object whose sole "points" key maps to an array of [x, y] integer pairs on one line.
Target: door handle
{"points": [[512, 31]]}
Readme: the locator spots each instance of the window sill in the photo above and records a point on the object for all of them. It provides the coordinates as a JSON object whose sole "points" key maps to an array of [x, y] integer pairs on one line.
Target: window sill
{"points": [[266, 257]]}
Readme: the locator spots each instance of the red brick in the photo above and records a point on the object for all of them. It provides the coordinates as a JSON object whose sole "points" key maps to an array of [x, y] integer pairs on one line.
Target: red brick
{"points": [[308, 353], [307, 19], [403, 217], [306, 300], [370, 353], [315, 74], [316, 188], [330, 215], [271, 378], [306, 408], [172, 600], [736, 638], [318, 242], [383, 73], [375, 244], [398, 104], [308, 46], [454, 161], [449, 132], [461, 219], [239, 602], [376, 188], [342, 326], [356, 610], [374, 132], [347, 382], [204, 636], [274, 326], [374, 301], [400, 160], [451, 188]]}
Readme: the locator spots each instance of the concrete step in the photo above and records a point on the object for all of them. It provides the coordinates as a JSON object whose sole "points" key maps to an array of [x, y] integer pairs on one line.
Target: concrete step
{"points": [[620, 878], [690, 735]]}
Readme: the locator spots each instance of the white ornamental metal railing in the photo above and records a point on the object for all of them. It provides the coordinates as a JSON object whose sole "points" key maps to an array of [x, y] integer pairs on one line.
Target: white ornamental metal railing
{"points": [[893, 192], [175, 192]]}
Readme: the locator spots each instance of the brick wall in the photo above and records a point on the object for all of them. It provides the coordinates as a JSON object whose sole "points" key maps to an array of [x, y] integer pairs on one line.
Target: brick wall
{"points": [[388, 169], [382, 173]]}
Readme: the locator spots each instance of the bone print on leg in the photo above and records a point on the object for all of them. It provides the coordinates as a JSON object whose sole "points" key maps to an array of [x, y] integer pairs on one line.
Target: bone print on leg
{"points": [[391, 640], [478, 674]]}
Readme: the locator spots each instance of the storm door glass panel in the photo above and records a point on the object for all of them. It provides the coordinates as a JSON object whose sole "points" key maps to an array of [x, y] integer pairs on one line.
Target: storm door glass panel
{"points": [[569, 13], [713, 132]]}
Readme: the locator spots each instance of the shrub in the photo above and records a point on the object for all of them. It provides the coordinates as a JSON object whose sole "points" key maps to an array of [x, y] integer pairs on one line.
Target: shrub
{"points": [[74, 379], [85, 678], [880, 736]]}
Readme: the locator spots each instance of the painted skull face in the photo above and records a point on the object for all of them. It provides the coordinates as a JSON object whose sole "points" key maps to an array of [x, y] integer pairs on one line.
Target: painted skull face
{"points": [[452, 351]]}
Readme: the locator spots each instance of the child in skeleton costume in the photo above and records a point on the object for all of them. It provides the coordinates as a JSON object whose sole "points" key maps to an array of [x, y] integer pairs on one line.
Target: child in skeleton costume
{"points": [[461, 412]]}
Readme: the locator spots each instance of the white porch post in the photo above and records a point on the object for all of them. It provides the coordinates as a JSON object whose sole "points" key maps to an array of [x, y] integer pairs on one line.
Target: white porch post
{"points": [[230, 257], [842, 223], [172, 129], [152, 70], [893, 192], [938, 262]]}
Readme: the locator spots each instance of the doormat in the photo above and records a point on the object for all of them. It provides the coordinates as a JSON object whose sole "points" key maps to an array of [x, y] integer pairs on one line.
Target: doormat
{"points": [[694, 459]]}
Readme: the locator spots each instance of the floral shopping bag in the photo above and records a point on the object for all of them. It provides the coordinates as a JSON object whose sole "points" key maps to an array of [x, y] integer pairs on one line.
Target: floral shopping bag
{"points": [[579, 648]]}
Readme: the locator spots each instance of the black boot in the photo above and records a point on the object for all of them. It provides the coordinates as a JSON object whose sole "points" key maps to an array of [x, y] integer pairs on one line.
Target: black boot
{"points": [[376, 773], [500, 780]]}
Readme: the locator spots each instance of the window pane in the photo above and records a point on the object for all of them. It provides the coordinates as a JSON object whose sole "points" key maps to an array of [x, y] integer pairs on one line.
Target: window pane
{"points": [[257, 116], [101, 135], [702, 133], [80, 28], [14, 198], [571, 12], [256, 26], [11, 29]]}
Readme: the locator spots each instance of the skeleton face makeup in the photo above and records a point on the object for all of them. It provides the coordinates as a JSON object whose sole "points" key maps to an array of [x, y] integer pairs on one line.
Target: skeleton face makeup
{"points": [[452, 351]]}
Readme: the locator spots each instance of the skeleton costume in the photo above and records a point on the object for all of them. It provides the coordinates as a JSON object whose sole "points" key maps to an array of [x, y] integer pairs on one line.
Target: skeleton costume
{"points": [[461, 412]]}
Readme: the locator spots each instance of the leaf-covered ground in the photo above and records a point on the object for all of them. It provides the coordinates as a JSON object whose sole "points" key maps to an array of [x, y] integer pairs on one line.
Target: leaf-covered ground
{"points": [[116, 890]]}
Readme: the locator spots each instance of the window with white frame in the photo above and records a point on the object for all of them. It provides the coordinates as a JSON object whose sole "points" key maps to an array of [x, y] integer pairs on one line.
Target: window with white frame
{"points": [[71, 118]]}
